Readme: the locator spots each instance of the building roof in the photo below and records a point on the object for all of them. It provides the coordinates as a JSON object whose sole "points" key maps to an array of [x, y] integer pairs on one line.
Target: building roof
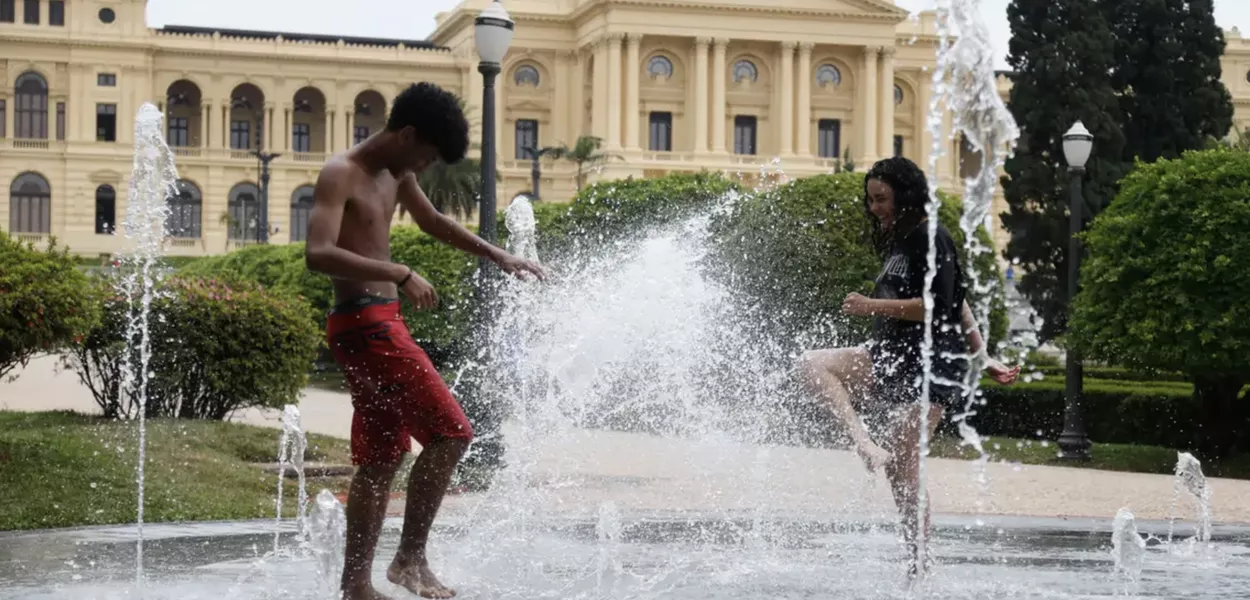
{"points": [[298, 37]]}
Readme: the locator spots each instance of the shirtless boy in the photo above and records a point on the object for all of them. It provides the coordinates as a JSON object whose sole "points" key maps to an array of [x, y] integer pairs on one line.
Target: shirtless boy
{"points": [[396, 393]]}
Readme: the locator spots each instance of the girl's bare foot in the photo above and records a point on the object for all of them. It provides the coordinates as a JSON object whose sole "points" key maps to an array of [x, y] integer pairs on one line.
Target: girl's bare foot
{"points": [[420, 580], [363, 592], [874, 457]]}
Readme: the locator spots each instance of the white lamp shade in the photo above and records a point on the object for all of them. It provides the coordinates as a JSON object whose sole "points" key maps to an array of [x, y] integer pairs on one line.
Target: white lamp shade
{"points": [[1077, 144], [492, 33]]}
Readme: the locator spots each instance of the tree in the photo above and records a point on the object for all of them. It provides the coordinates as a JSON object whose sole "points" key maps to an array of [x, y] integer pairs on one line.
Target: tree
{"points": [[1167, 73], [585, 153], [46, 302], [1061, 53], [1166, 284]]}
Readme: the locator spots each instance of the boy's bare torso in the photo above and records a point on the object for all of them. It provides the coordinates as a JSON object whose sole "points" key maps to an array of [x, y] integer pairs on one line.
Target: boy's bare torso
{"points": [[366, 226]]}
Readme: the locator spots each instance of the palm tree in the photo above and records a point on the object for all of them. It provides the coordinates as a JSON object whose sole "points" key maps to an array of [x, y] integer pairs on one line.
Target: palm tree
{"points": [[585, 153]]}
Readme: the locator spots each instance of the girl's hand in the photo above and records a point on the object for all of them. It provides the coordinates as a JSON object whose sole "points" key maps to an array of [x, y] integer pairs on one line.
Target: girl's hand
{"points": [[1001, 373], [857, 305]]}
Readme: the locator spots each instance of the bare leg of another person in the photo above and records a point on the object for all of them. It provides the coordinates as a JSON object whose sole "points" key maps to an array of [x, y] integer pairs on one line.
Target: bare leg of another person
{"points": [[366, 508], [427, 484], [903, 472], [834, 375]]}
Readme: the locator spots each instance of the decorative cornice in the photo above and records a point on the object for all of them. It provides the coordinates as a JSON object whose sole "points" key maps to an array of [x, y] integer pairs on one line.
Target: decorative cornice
{"points": [[633, 38], [721, 43], [806, 47], [873, 10], [702, 42], [615, 37], [789, 46]]}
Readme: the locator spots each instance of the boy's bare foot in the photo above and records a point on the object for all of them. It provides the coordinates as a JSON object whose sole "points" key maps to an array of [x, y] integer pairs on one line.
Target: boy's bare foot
{"points": [[874, 457], [420, 580], [364, 592]]}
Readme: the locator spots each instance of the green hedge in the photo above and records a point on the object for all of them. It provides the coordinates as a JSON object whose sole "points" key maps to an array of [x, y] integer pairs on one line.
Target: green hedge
{"points": [[1119, 412]]}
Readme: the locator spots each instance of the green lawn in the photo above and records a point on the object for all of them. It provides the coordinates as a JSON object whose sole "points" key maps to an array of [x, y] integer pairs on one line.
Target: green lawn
{"points": [[1108, 457], [60, 469]]}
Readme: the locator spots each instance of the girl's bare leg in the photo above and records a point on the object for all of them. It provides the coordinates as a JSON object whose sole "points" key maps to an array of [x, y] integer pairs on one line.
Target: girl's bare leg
{"points": [[903, 471], [835, 376]]}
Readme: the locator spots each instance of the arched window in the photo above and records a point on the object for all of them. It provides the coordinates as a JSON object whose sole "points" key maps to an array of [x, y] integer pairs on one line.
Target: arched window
{"points": [[828, 76], [744, 70], [244, 211], [185, 207], [30, 204], [105, 210], [301, 211], [30, 114], [525, 75], [660, 67], [898, 94]]}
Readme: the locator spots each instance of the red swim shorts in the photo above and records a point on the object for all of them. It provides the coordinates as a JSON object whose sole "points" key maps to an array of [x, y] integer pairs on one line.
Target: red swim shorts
{"points": [[397, 394]]}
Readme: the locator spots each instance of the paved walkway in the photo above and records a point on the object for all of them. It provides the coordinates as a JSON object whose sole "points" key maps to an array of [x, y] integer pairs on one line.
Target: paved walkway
{"points": [[576, 470]]}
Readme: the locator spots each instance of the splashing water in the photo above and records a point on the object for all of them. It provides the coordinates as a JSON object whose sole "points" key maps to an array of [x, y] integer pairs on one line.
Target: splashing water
{"points": [[965, 84], [1128, 548], [1189, 478], [519, 218], [292, 445], [326, 533], [152, 180]]}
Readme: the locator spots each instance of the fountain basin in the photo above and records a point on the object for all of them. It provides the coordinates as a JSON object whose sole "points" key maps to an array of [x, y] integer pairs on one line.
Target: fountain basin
{"points": [[657, 555]]}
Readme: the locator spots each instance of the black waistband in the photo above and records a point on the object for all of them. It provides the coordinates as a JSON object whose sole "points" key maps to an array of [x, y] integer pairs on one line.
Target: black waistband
{"points": [[360, 303]]}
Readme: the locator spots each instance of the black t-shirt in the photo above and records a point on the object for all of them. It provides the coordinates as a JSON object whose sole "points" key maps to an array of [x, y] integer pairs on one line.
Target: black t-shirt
{"points": [[897, 343]]}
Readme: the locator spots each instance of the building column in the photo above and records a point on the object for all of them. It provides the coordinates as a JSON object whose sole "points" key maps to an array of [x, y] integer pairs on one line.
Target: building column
{"points": [[698, 112], [786, 122], [599, 91], [329, 131], [288, 117], [225, 124], [349, 122], [924, 139], [632, 68], [560, 101], [614, 90], [868, 101], [885, 131], [576, 116], [719, 101], [9, 109], [270, 109], [206, 110], [803, 118]]}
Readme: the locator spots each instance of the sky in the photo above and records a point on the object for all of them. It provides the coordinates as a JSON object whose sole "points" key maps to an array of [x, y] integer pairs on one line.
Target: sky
{"points": [[414, 19]]}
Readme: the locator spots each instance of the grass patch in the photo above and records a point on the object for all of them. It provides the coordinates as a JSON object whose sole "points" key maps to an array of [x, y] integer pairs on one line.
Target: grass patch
{"points": [[1108, 457], [62, 469]]}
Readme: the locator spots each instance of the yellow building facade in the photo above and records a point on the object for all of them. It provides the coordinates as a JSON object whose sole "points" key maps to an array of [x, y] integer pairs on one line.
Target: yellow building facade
{"points": [[746, 87]]}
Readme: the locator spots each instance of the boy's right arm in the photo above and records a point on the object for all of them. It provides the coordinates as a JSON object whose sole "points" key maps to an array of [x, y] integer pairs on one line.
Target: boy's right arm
{"points": [[321, 252]]}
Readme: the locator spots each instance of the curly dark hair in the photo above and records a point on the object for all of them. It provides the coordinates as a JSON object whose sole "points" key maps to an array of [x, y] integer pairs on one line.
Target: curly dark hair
{"points": [[911, 193], [437, 117]]}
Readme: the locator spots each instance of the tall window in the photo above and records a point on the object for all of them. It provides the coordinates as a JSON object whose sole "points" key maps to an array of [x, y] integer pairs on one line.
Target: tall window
{"points": [[32, 12], [360, 134], [106, 122], [3, 119], [301, 211], [244, 210], [30, 204], [898, 145], [105, 210], [184, 211], [661, 132], [31, 113], [8, 11], [829, 138], [301, 137], [178, 132], [60, 121], [744, 134], [241, 135], [56, 13], [526, 138]]}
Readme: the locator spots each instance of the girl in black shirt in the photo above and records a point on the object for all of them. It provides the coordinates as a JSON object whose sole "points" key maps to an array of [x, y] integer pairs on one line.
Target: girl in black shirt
{"points": [[884, 376]]}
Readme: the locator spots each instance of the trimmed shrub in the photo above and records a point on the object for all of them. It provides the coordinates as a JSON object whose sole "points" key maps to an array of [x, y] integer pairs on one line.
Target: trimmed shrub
{"points": [[216, 347], [1166, 285], [46, 302]]}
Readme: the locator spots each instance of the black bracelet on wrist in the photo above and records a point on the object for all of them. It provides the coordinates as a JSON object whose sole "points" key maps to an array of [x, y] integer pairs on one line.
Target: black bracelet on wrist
{"points": [[405, 279]]}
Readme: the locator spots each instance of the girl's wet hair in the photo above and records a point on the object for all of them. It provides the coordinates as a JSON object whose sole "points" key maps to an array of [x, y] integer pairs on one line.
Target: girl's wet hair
{"points": [[911, 193]]}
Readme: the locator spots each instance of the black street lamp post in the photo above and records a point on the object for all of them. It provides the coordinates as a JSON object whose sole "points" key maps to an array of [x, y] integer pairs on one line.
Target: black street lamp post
{"points": [[1074, 441], [493, 30], [262, 227]]}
